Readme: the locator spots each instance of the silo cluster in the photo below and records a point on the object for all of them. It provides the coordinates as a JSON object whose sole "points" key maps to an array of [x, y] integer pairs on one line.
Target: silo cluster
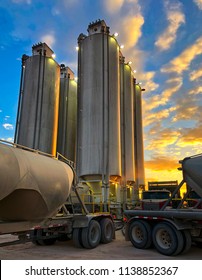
{"points": [[46, 101], [95, 122]]}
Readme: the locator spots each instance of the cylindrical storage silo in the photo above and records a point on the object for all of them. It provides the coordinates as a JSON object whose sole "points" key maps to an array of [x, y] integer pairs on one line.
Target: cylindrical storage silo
{"points": [[38, 109], [139, 145], [98, 151], [127, 110], [32, 186], [66, 142]]}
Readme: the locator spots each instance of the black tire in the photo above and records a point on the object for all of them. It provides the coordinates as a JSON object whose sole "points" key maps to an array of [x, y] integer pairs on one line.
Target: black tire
{"points": [[47, 242], [107, 230], [76, 237], [187, 241], [140, 234], [38, 238], [198, 244], [91, 235], [63, 237], [33, 237], [167, 240]]}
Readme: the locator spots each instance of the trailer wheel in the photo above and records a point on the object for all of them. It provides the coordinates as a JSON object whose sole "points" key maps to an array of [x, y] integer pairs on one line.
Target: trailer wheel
{"points": [[76, 236], [91, 235], [33, 237], [140, 234], [167, 240], [187, 241], [49, 241], [107, 230], [37, 238]]}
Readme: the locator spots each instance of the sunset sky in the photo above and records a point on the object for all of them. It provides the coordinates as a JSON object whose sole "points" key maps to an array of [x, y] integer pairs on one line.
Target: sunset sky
{"points": [[163, 39]]}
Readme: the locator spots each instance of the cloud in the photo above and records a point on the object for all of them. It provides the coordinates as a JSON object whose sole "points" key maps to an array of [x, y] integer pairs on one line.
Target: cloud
{"points": [[131, 21], [191, 137], [198, 3], [130, 30], [162, 139], [175, 19], [113, 6], [196, 90], [150, 117], [49, 39], [183, 61], [187, 109], [195, 75], [162, 163], [163, 98], [8, 126]]}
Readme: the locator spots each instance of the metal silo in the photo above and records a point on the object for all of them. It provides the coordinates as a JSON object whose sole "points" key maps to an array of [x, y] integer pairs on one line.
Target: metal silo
{"points": [[99, 143], [66, 144], [37, 117], [127, 109], [139, 145]]}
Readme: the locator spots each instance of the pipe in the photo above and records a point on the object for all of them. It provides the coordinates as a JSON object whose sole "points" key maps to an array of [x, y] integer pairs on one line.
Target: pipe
{"points": [[194, 214], [20, 100]]}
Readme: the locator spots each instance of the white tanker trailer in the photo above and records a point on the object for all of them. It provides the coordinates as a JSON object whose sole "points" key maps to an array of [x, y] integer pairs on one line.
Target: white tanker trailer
{"points": [[173, 226], [34, 188]]}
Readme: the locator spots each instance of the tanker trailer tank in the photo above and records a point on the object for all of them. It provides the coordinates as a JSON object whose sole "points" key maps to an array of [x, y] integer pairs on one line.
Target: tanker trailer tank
{"points": [[32, 186], [191, 167]]}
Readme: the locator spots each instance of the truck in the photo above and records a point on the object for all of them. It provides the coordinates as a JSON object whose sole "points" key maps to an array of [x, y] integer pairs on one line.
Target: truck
{"points": [[170, 227], [35, 189]]}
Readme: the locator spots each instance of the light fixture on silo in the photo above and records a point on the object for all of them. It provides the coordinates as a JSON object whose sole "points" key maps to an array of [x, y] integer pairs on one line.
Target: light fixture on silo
{"points": [[115, 34], [53, 56]]}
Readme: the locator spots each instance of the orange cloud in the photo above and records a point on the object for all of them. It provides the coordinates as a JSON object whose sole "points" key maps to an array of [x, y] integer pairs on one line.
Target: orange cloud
{"points": [[195, 75], [183, 61], [191, 137], [159, 163], [149, 118], [196, 90], [130, 30], [161, 139]]}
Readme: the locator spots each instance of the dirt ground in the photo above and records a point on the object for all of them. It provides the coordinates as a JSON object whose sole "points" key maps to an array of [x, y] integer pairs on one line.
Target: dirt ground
{"points": [[119, 249]]}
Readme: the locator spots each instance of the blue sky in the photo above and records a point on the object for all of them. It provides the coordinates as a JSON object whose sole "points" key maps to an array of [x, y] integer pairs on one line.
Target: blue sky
{"points": [[162, 38]]}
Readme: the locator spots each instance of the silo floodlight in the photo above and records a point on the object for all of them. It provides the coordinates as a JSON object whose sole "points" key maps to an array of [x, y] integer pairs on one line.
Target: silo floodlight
{"points": [[122, 46], [115, 34], [77, 48], [53, 55]]}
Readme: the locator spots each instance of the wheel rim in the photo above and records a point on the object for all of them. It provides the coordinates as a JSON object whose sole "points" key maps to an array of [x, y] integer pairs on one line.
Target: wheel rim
{"points": [[137, 234], [94, 234], [108, 231], [163, 239]]}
